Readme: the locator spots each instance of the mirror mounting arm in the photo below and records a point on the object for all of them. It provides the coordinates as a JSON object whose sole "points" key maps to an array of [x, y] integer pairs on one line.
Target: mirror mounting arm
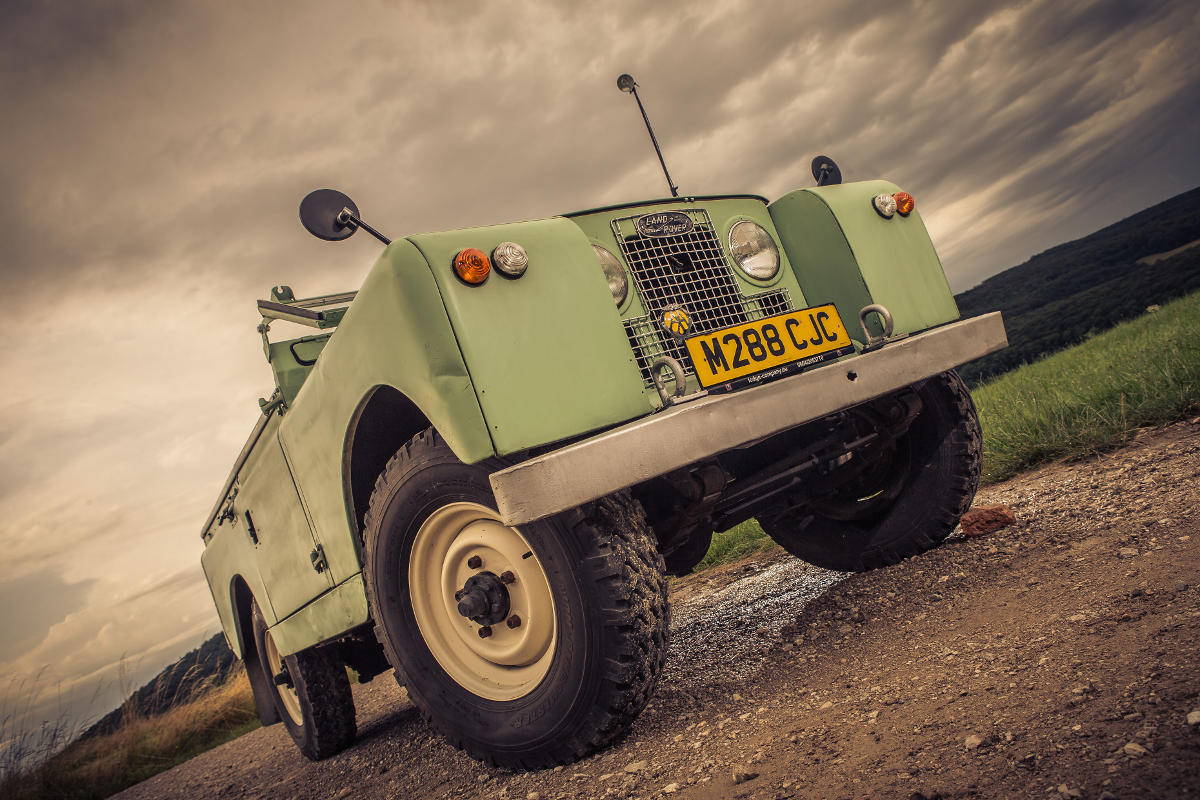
{"points": [[348, 217]]}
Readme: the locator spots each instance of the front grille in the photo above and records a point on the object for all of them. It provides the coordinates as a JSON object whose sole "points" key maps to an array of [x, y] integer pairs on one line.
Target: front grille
{"points": [[688, 270]]}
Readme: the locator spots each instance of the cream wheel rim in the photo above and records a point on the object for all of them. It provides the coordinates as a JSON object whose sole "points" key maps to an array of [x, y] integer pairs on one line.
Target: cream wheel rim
{"points": [[287, 694], [513, 660]]}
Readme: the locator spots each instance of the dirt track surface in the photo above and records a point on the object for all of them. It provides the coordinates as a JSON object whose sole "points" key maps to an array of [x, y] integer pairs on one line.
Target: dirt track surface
{"points": [[1055, 658]]}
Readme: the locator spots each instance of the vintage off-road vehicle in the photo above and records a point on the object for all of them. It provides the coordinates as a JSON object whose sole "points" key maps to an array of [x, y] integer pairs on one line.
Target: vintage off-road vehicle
{"points": [[481, 466]]}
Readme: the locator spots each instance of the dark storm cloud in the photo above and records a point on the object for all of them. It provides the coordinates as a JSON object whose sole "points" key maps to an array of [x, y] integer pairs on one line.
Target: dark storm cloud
{"points": [[453, 114]]}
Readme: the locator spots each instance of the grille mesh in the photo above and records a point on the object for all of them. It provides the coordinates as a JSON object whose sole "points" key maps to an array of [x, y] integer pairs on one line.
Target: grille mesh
{"points": [[688, 270]]}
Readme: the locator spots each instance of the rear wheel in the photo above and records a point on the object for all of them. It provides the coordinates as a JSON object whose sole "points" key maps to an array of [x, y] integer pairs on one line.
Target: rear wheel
{"points": [[906, 502], [311, 692], [527, 646]]}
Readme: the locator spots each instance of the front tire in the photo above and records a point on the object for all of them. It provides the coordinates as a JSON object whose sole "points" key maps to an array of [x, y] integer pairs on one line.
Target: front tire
{"points": [[312, 693], [574, 607], [904, 506]]}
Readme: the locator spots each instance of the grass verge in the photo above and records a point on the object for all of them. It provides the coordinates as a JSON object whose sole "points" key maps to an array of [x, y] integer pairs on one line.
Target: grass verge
{"points": [[143, 746], [1094, 396]]}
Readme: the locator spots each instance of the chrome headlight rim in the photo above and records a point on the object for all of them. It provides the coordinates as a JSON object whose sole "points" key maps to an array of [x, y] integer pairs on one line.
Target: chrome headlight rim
{"points": [[741, 256], [614, 271]]}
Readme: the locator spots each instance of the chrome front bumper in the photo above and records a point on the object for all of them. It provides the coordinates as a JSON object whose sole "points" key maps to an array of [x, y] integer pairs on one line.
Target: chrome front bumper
{"points": [[691, 432]]}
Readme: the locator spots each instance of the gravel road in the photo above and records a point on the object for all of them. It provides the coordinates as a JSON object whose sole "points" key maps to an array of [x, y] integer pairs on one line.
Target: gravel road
{"points": [[1055, 658]]}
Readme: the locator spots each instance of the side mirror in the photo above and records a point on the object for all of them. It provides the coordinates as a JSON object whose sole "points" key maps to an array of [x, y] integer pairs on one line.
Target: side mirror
{"points": [[825, 171], [327, 214]]}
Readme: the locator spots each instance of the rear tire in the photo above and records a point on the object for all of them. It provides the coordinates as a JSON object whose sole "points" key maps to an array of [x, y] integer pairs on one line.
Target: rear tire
{"points": [[587, 586], [939, 461], [315, 702]]}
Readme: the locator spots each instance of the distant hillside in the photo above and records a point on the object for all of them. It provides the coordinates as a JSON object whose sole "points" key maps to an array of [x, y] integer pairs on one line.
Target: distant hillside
{"points": [[1060, 296], [209, 664]]}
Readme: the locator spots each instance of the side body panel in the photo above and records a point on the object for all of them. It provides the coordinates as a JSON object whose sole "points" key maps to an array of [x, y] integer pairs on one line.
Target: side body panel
{"points": [[395, 333], [276, 567], [546, 351], [269, 510], [328, 616], [844, 252], [227, 555]]}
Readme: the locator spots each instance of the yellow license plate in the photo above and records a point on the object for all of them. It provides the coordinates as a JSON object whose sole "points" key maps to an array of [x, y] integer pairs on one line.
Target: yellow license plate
{"points": [[768, 348]]}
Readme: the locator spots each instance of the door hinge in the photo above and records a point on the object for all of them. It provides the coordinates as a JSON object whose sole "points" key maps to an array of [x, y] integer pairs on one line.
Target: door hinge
{"points": [[318, 559]]}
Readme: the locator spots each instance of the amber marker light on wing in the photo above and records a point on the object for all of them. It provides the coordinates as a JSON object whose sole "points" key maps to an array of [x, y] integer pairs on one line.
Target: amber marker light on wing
{"points": [[472, 265], [904, 203]]}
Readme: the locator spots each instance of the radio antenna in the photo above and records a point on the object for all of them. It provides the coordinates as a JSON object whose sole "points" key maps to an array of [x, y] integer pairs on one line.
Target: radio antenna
{"points": [[626, 83]]}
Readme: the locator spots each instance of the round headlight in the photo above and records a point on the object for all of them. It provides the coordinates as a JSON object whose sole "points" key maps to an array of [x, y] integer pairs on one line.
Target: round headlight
{"points": [[754, 250], [511, 259], [885, 205], [618, 282]]}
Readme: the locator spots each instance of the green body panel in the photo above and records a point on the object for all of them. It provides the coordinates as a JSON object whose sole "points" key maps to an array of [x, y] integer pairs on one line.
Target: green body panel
{"points": [[229, 553], [844, 252], [724, 212], [328, 616], [395, 333], [267, 493], [546, 351], [292, 360], [277, 567]]}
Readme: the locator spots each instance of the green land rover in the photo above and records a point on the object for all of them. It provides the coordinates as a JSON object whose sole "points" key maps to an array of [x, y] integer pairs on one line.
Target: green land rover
{"points": [[482, 464]]}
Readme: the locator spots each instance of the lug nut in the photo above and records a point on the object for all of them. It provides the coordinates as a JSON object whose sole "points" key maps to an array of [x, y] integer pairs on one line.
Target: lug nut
{"points": [[474, 562], [485, 631], [513, 622], [507, 577]]}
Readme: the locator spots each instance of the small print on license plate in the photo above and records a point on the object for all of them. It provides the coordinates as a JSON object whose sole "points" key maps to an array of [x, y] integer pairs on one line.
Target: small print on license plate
{"points": [[768, 348]]}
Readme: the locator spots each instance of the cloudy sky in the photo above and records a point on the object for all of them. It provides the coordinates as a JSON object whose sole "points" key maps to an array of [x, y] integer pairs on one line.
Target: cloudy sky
{"points": [[152, 156]]}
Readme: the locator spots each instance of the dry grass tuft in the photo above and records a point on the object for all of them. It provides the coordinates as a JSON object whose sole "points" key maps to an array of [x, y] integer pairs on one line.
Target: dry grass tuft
{"points": [[142, 746]]}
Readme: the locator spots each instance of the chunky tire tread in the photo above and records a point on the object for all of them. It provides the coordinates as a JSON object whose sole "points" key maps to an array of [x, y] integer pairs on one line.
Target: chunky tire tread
{"points": [[961, 457], [326, 701], [620, 562]]}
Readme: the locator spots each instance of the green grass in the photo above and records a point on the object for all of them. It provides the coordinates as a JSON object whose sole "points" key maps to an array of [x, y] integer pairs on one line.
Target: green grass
{"points": [[738, 541], [1083, 400], [1094, 396]]}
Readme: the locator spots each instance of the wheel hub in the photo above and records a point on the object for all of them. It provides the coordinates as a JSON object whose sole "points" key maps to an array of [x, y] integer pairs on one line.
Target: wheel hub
{"points": [[483, 599]]}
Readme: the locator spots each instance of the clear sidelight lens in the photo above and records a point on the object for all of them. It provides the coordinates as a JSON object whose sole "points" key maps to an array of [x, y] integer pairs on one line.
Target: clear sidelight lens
{"points": [[511, 259], [885, 205], [754, 250], [618, 282]]}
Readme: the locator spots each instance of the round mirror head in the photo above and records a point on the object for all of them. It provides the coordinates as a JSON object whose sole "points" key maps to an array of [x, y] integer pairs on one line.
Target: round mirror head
{"points": [[626, 83], [319, 212], [826, 172]]}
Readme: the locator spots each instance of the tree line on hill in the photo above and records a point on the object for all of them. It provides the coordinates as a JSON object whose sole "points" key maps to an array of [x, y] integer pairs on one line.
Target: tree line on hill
{"points": [[1061, 296]]}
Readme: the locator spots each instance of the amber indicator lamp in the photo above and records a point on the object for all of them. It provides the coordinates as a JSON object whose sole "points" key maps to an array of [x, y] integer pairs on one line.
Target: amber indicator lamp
{"points": [[904, 203], [472, 265]]}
